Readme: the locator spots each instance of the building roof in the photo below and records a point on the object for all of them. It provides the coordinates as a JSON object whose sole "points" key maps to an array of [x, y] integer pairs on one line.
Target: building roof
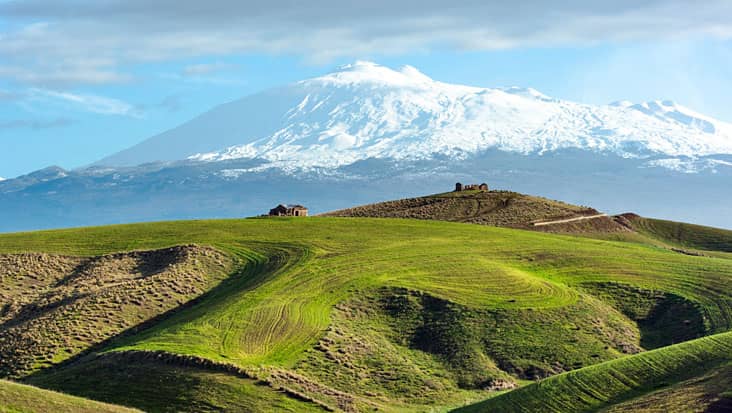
{"points": [[291, 206]]}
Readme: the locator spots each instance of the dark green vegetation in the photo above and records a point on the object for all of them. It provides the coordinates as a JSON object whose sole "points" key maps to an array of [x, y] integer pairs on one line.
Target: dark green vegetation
{"points": [[628, 382], [663, 318], [153, 382], [20, 398], [354, 314]]}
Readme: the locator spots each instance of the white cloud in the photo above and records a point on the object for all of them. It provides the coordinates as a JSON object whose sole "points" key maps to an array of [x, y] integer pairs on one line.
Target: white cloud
{"points": [[90, 103], [87, 41]]}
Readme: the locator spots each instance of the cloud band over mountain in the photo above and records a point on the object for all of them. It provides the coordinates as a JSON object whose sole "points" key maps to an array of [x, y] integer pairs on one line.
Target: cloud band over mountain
{"points": [[88, 41]]}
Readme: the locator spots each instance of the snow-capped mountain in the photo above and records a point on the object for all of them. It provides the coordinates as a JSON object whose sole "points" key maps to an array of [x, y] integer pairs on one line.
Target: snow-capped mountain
{"points": [[367, 133], [365, 110]]}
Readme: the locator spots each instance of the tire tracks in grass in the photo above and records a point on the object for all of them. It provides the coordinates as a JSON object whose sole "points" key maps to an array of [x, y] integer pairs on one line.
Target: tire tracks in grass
{"points": [[216, 322]]}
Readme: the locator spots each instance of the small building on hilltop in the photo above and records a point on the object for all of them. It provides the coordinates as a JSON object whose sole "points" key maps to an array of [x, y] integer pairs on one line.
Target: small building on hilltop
{"points": [[471, 187], [283, 210]]}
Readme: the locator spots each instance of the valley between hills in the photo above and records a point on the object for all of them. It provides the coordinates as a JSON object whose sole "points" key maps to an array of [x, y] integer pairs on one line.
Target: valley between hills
{"points": [[455, 301]]}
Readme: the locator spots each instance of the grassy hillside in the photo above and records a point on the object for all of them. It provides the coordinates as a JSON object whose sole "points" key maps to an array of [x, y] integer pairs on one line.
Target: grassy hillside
{"points": [[357, 314], [155, 383], [496, 208], [683, 235], [20, 398], [53, 307], [708, 392], [621, 382]]}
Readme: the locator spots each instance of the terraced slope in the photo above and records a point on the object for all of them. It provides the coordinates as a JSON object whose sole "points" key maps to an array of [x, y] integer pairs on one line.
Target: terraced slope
{"points": [[354, 314], [17, 398], [610, 384], [496, 208]]}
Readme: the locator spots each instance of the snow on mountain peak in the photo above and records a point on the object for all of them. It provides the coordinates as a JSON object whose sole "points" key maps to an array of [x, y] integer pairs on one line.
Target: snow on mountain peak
{"points": [[622, 104], [414, 73], [527, 92], [366, 110], [364, 72], [671, 111]]}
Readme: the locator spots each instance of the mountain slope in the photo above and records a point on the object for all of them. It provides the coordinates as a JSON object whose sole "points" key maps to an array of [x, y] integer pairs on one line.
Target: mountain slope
{"points": [[392, 314], [365, 110]]}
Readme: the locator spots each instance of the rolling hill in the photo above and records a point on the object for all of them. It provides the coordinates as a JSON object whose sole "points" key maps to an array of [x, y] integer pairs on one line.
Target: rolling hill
{"points": [[682, 235], [495, 208], [515, 210], [620, 382], [345, 314]]}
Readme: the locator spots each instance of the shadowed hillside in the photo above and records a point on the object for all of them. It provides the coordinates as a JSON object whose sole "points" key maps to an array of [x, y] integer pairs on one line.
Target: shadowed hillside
{"points": [[19, 398]]}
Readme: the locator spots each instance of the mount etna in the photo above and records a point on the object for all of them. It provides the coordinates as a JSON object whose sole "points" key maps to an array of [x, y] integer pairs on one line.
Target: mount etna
{"points": [[367, 132]]}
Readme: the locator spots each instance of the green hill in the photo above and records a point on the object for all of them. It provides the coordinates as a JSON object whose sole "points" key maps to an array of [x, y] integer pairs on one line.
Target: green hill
{"points": [[707, 392], [629, 383], [515, 210], [20, 398], [349, 314], [682, 235]]}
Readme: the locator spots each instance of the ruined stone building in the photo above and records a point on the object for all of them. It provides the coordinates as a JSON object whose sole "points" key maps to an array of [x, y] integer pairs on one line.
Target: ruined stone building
{"points": [[282, 210], [471, 187]]}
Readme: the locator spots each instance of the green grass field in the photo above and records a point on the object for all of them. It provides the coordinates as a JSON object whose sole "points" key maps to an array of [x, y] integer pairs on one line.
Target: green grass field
{"points": [[20, 398], [321, 310], [684, 235], [705, 392], [617, 381]]}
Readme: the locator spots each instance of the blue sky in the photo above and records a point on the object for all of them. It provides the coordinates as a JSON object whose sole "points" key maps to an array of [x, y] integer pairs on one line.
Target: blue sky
{"points": [[81, 79]]}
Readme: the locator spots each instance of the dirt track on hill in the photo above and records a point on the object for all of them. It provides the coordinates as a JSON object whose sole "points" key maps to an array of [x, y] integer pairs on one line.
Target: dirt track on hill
{"points": [[567, 220]]}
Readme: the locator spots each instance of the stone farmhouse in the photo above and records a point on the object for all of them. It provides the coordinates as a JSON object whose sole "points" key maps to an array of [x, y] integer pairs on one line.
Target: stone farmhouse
{"points": [[282, 210], [471, 187]]}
